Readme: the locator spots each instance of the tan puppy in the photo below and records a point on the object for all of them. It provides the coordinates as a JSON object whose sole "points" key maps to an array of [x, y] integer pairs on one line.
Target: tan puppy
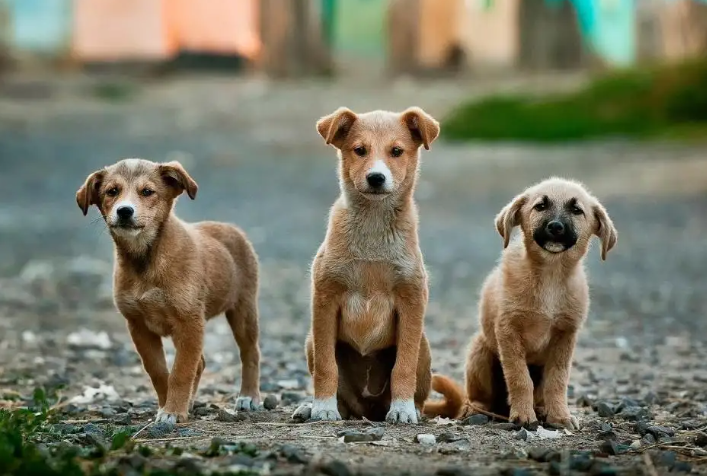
{"points": [[532, 306], [170, 277], [366, 350]]}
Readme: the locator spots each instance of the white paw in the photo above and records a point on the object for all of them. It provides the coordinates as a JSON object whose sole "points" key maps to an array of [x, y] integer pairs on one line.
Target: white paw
{"points": [[246, 404], [325, 409], [303, 412], [164, 417], [402, 411]]}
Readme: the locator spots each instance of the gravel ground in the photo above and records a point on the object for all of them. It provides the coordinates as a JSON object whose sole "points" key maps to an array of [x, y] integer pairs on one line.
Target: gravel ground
{"points": [[639, 382]]}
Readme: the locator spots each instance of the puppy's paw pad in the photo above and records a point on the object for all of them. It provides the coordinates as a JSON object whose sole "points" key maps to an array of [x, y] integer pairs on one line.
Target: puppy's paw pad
{"points": [[246, 404], [402, 411], [303, 412], [325, 410]]}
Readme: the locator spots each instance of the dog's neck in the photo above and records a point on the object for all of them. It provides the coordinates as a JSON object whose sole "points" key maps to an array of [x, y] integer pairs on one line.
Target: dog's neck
{"points": [[139, 252]]}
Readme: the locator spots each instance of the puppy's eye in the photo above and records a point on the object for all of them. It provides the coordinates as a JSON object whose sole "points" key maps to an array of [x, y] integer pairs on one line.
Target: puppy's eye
{"points": [[540, 206], [576, 210], [360, 151], [112, 192], [396, 152], [146, 192]]}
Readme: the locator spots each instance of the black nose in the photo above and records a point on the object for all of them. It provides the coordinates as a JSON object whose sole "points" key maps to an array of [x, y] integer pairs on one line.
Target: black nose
{"points": [[555, 228], [125, 212], [375, 179]]}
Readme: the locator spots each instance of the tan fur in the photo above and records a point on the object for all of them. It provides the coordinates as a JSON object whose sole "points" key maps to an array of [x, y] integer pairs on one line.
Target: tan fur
{"points": [[532, 306], [170, 277], [367, 345]]}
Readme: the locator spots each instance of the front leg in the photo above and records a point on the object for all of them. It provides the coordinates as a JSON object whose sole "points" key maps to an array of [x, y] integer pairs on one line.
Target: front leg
{"points": [[516, 374], [410, 304], [325, 307], [556, 379], [149, 347], [188, 340]]}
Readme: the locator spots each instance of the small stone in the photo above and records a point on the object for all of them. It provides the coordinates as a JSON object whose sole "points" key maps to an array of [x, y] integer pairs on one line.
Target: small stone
{"points": [[605, 410], [354, 436], [290, 398], [667, 459], [641, 427], [612, 448], [605, 426], [108, 412], [159, 430], [449, 437], [660, 431], [202, 411], [293, 454], [123, 419], [538, 454], [426, 439], [477, 419], [521, 435], [335, 468], [701, 439], [507, 426], [681, 467], [650, 398], [228, 417], [648, 440], [270, 402], [634, 414], [581, 461], [636, 444], [607, 435]]}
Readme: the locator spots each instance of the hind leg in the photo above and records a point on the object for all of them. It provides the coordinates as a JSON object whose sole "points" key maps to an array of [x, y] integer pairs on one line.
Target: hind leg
{"points": [[197, 379], [479, 376], [243, 320]]}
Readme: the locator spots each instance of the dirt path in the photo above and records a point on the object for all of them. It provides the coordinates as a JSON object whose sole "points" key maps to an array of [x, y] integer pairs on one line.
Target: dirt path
{"points": [[253, 150]]}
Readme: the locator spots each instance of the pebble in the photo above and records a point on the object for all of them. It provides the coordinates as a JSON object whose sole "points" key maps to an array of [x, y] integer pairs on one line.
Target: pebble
{"points": [[449, 437], [202, 411], [604, 409], [701, 439], [660, 431], [521, 435], [634, 414], [581, 461], [228, 417], [612, 448], [294, 454], [354, 436], [426, 439], [335, 468], [159, 430], [478, 419], [507, 426], [648, 440], [123, 419], [636, 444], [270, 402]]}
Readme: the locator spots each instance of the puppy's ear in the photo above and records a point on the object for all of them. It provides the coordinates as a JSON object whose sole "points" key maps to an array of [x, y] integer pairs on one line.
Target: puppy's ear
{"points": [[336, 126], [177, 178], [605, 230], [87, 195], [509, 217], [423, 127]]}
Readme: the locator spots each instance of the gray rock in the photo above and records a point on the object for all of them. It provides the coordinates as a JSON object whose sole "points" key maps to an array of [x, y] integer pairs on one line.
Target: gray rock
{"points": [[521, 435], [538, 453], [426, 439], [660, 431], [478, 419], [270, 402], [335, 468], [507, 426], [354, 436], [612, 448], [581, 460], [648, 440], [228, 417], [202, 411], [449, 437], [634, 414], [605, 409], [701, 439], [123, 419], [159, 430], [294, 455]]}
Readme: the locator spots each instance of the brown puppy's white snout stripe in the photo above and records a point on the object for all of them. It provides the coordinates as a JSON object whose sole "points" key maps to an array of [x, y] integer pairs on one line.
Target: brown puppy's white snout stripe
{"points": [[366, 350], [532, 307], [170, 277]]}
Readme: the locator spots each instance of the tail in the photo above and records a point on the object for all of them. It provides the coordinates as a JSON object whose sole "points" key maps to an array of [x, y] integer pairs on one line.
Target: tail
{"points": [[453, 401]]}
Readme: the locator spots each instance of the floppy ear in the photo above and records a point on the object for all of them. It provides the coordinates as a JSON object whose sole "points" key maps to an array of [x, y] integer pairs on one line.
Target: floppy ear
{"points": [[509, 217], [176, 177], [87, 195], [336, 126], [605, 230], [423, 127]]}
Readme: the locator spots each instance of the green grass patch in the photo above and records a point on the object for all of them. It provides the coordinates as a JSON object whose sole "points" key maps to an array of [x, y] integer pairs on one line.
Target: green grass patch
{"points": [[639, 103]]}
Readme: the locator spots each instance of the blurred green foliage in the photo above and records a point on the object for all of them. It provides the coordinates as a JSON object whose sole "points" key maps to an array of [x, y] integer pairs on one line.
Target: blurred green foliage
{"points": [[666, 101]]}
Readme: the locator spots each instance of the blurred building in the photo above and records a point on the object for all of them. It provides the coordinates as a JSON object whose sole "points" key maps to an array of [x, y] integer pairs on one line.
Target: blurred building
{"points": [[294, 37]]}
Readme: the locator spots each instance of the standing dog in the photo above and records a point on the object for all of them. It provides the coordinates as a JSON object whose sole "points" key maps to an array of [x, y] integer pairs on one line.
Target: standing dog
{"points": [[366, 350], [170, 277], [532, 307]]}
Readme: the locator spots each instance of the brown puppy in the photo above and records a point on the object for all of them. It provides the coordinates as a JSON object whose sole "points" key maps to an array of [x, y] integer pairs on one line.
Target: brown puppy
{"points": [[366, 350], [532, 307], [170, 277]]}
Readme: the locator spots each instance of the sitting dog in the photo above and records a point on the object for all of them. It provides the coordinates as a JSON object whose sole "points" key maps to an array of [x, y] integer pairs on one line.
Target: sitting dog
{"points": [[366, 350], [532, 307], [170, 277]]}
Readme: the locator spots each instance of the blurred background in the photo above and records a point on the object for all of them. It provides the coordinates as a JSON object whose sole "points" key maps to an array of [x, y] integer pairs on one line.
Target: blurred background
{"points": [[609, 92]]}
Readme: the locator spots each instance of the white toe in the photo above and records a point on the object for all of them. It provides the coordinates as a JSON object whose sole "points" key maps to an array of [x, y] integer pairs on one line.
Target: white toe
{"points": [[326, 409], [402, 411]]}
